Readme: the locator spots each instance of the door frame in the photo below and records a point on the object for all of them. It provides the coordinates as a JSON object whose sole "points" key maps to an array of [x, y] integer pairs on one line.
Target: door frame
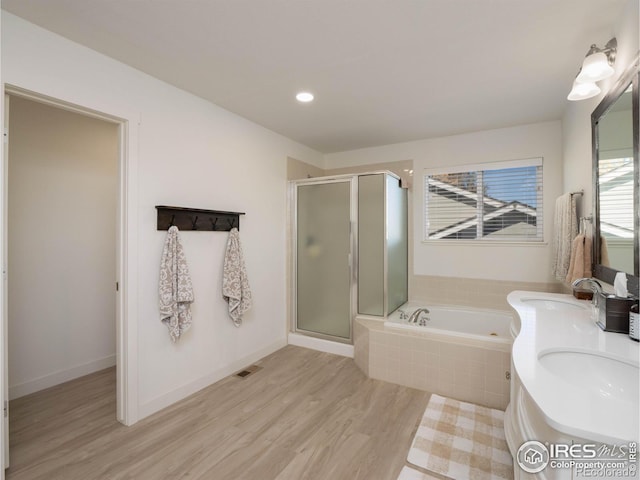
{"points": [[126, 246]]}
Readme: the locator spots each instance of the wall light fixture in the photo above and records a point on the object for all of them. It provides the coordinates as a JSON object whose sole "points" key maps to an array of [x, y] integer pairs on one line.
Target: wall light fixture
{"points": [[597, 65]]}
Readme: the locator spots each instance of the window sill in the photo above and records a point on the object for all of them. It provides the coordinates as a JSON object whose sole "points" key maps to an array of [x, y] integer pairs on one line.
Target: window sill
{"points": [[485, 243]]}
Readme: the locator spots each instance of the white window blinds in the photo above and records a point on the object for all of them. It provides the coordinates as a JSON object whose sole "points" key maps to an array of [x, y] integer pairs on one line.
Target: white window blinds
{"points": [[615, 182], [501, 202]]}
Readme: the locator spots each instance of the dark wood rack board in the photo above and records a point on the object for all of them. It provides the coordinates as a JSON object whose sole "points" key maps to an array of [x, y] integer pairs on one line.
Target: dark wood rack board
{"points": [[197, 219]]}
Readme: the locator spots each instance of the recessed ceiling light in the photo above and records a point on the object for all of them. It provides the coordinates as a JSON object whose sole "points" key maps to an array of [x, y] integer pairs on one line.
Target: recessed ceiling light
{"points": [[304, 97]]}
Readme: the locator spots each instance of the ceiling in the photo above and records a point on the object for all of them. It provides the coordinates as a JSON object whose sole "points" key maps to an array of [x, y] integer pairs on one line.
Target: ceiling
{"points": [[382, 71]]}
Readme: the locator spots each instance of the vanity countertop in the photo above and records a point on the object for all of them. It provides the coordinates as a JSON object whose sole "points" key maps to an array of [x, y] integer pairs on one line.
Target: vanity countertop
{"points": [[597, 404]]}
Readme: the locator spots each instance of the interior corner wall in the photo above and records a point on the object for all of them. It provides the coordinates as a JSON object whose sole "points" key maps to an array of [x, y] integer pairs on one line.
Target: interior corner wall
{"points": [[297, 170], [63, 175], [191, 153], [529, 263]]}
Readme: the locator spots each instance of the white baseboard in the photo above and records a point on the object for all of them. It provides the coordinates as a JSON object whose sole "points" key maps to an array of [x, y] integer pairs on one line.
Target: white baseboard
{"points": [[61, 376], [184, 391], [321, 345]]}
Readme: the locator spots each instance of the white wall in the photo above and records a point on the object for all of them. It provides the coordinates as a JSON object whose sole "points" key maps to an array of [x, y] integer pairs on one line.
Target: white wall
{"points": [[524, 263], [63, 171], [190, 153]]}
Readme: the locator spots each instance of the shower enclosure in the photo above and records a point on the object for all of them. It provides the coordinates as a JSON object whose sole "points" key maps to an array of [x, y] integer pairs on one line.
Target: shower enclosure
{"points": [[349, 251]]}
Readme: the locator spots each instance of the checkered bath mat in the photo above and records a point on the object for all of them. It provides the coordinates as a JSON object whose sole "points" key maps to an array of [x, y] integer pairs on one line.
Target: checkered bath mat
{"points": [[409, 473], [461, 441]]}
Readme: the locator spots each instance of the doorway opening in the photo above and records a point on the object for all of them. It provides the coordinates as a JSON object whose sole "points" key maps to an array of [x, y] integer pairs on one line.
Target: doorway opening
{"points": [[74, 216], [62, 204]]}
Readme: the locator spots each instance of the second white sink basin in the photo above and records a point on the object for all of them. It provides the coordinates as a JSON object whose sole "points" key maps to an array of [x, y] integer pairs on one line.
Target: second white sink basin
{"points": [[605, 376], [549, 304]]}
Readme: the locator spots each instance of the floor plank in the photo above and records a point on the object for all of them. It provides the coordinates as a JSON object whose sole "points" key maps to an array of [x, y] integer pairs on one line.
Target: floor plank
{"points": [[304, 415]]}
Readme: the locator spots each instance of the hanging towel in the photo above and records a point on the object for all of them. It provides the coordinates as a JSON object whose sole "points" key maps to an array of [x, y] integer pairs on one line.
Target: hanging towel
{"points": [[587, 256], [577, 250], [175, 289], [580, 264], [565, 228], [604, 252], [235, 284]]}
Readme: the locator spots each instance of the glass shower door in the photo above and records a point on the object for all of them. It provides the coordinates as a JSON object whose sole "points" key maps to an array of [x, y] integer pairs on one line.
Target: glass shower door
{"points": [[323, 258]]}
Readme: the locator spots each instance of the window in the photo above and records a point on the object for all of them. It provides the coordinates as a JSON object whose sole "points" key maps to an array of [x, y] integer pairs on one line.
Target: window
{"points": [[499, 201]]}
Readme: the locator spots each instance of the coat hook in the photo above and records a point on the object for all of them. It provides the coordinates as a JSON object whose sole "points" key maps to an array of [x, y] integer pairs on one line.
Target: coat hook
{"points": [[213, 223], [173, 217], [231, 222], [193, 225]]}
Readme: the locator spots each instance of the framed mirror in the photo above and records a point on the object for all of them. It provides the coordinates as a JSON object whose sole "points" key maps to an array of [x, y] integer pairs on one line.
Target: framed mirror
{"points": [[614, 126]]}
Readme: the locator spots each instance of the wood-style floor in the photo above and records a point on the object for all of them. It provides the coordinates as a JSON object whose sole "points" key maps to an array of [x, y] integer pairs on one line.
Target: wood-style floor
{"points": [[304, 415]]}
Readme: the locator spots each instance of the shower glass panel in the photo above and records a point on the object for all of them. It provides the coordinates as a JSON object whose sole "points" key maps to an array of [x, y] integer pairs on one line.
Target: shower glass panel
{"points": [[371, 226], [382, 244], [323, 278], [397, 245]]}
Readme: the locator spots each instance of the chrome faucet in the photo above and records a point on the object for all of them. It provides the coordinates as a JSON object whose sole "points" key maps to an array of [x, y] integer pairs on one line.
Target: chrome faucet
{"points": [[415, 315], [594, 285]]}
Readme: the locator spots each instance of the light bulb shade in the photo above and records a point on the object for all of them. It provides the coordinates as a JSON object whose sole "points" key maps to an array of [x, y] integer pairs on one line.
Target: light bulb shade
{"points": [[582, 91], [595, 68]]}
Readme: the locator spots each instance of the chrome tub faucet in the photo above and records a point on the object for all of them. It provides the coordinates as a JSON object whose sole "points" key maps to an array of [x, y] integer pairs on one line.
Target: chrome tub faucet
{"points": [[415, 315]]}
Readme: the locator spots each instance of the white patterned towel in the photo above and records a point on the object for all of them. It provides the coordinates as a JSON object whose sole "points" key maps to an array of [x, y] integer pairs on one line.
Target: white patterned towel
{"points": [[175, 289], [565, 229], [235, 284]]}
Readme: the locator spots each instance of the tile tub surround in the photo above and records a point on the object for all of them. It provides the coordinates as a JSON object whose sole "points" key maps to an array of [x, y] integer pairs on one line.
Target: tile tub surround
{"points": [[471, 292], [470, 373], [361, 346]]}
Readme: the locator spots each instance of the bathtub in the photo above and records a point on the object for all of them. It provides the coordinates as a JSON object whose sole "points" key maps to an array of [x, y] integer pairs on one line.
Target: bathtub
{"points": [[461, 352], [461, 322]]}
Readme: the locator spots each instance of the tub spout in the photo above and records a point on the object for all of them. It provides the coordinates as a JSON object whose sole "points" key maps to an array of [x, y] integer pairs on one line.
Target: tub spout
{"points": [[415, 315]]}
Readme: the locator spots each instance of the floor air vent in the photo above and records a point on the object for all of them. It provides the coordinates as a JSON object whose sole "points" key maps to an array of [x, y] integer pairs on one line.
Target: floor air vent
{"points": [[248, 371]]}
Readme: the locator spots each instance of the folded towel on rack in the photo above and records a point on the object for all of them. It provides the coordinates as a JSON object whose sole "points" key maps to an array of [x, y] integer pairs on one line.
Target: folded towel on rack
{"points": [[175, 288], [235, 284], [580, 263], [565, 229]]}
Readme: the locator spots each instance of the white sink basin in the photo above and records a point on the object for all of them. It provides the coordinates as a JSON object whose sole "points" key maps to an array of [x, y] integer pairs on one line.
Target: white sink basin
{"points": [[557, 305], [605, 376]]}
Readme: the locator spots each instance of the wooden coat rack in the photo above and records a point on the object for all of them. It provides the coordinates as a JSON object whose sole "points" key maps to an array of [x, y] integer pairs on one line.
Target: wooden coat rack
{"points": [[197, 219]]}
